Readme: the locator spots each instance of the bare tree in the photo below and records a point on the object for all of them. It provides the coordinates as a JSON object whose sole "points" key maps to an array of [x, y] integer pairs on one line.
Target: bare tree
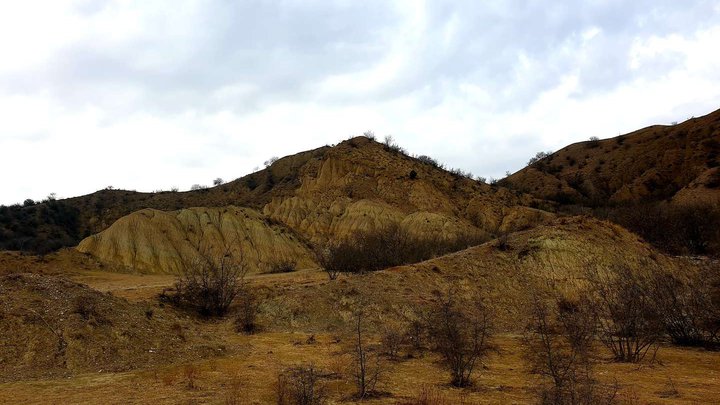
{"points": [[460, 332], [628, 320], [367, 368]]}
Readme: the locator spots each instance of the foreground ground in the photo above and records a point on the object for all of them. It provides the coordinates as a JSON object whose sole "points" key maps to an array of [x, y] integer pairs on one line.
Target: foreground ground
{"points": [[248, 372]]}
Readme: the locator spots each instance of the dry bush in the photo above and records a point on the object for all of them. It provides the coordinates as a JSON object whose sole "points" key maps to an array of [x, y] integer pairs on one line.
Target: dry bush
{"points": [[301, 385], [460, 332], [689, 307], [386, 247], [392, 339], [283, 266], [210, 283], [687, 229], [247, 311], [558, 344], [628, 319]]}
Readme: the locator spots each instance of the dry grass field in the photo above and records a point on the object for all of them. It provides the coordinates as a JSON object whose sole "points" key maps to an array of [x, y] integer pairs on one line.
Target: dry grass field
{"points": [[247, 374]]}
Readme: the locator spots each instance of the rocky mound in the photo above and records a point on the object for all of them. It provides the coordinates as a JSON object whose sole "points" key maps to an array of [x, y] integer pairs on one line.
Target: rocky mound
{"points": [[50, 326], [153, 241], [650, 164]]}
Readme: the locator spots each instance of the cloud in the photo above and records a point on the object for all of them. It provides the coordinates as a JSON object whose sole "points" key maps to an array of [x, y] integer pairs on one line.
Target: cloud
{"points": [[157, 94]]}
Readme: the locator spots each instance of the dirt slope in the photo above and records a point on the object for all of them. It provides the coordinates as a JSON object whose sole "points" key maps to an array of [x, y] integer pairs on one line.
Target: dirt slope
{"points": [[653, 163], [555, 253], [152, 241], [50, 326]]}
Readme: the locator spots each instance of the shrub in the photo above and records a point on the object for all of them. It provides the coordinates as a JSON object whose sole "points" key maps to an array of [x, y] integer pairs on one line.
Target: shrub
{"points": [[558, 346], [460, 333], [538, 157], [300, 385], [210, 283], [387, 247], [283, 266], [629, 322], [593, 142], [247, 311]]}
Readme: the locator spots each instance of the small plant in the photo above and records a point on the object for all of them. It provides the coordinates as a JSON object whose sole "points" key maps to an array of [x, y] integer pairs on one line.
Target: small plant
{"points": [[460, 331], [191, 373], [301, 385], [283, 266], [247, 311], [367, 366]]}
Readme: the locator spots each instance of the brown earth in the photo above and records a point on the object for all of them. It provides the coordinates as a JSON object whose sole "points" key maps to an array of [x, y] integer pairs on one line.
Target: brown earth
{"points": [[55, 327], [656, 162]]}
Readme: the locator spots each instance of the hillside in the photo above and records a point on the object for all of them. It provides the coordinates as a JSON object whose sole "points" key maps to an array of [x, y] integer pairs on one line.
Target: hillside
{"points": [[55, 327], [357, 177], [153, 241], [655, 163]]}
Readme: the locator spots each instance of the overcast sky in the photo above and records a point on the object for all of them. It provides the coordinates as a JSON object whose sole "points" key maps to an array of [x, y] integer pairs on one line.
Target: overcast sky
{"points": [[151, 95]]}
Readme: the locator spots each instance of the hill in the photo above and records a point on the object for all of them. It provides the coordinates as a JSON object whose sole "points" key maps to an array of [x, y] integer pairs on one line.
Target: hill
{"points": [[356, 178], [677, 162], [55, 327]]}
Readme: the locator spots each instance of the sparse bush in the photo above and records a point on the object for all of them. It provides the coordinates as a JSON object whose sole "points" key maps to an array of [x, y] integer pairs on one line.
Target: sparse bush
{"points": [[247, 311], [283, 266], [300, 385], [593, 142], [387, 247], [369, 135], [428, 160], [558, 346], [392, 340], [210, 283], [197, 187], [538, 157], [460, 332], [270, 161], [689, 307], [629, 322]]}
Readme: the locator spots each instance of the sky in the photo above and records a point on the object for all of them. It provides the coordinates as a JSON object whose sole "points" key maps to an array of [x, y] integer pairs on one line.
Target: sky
{"points": [[150, 95]]}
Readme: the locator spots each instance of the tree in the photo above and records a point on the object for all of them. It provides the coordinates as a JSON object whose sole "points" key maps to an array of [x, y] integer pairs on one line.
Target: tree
{"points": [[367, 368], [218, 181], [460, 331]]}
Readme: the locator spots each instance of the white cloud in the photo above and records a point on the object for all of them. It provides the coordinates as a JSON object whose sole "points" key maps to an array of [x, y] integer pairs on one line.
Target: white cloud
{"points": [[158, 94]]}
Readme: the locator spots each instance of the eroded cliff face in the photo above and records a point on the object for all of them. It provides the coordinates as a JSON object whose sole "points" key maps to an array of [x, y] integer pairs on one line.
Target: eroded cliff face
{"points": [[155, 241], [361, 185]]}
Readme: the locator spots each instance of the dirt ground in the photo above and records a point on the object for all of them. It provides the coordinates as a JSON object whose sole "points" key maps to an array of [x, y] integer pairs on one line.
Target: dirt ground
{"points": [[248, 375]]}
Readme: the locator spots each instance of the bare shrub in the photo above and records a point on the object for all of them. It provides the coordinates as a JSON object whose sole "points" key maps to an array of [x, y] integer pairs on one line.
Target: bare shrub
{"points": [[628, 320], [385, 247], [558, 346], [460, 332], [283, 266], [247, 311], [392, 339], [689, 307], [301, 385], [210, 283], [367, 366]]}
